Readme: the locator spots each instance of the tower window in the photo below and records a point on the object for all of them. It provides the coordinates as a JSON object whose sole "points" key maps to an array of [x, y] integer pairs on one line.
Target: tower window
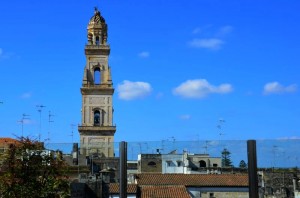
{"points": [[97, 117], [97, 40], [97, 76]]}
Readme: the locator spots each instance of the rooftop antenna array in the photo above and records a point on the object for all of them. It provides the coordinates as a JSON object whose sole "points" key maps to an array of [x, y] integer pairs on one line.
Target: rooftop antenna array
{"points": [[39, 109], [24, 117], [72, 133], [49, 121], [219, 126], [206, 147]]}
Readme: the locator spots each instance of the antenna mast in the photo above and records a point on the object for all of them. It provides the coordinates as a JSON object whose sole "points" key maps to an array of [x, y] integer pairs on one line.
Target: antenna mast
{"points": [[72, 134], [39, 109], [24, 117], [49, 120]]}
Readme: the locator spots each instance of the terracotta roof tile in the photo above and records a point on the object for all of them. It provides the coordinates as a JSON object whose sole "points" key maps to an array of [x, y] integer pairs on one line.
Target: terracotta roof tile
{"points": [[114, 188], [164, 191], [226, 180], [8, 141]]}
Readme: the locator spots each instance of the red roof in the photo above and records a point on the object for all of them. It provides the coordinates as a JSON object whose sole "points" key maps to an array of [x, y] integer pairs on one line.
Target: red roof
{"points": [[164, 191], [8, 141], [114, 188], [211, 180]]}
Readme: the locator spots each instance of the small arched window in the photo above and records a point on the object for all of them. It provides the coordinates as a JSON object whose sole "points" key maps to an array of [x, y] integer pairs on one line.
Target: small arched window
{"points": [[97, 40], [97, 76], [202, 163], [151, 163], [97, 117]]}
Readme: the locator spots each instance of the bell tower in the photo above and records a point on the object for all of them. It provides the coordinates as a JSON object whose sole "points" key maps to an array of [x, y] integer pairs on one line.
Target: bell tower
{"points": [[97, 129]]}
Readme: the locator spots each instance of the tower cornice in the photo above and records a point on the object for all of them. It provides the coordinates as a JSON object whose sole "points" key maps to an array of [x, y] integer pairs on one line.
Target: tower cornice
{"points": [[97, 50], [97, 89]]}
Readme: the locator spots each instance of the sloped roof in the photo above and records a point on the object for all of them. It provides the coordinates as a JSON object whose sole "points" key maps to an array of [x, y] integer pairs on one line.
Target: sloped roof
{"points": [[208, 180], [114, 188], [7, 140], [164, 191]]}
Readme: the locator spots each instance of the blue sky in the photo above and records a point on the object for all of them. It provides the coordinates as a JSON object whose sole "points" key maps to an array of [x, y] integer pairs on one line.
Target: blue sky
{"points": [[178, 68]]}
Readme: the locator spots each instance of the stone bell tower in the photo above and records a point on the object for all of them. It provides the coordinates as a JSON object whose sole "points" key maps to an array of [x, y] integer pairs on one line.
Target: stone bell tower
{"points": [[97, 129]]}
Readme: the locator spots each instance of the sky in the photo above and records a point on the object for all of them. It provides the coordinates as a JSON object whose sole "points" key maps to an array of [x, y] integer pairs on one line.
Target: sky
{"points": [[182, 70]]}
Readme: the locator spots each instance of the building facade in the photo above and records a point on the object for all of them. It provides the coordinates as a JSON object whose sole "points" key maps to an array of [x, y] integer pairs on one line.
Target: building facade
{"points": [[97, 129], [179, 163]]}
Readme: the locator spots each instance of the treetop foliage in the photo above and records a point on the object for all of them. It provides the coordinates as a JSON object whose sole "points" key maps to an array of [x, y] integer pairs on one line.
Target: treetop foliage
{"points": [[28, 170]]}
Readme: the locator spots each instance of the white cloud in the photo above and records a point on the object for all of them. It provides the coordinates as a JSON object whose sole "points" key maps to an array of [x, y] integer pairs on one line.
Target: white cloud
{"points": [[185, 117], [197, 30], [128, 90], [277, 88], [200, 88], [210, 43], [224, 30], [144, 54], [26, 95]]}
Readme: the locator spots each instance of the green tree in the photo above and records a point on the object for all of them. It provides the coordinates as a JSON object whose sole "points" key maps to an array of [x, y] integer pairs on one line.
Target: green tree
{"points": [[226, 161], [31, 171], [242, 164]]}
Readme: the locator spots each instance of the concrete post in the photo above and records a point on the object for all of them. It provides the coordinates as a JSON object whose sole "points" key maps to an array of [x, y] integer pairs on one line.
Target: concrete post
{"points": [[123, 170], [252, 169]]}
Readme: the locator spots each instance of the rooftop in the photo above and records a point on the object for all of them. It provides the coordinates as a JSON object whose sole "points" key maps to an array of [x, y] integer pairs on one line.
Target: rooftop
{"points": [[204, 180]]}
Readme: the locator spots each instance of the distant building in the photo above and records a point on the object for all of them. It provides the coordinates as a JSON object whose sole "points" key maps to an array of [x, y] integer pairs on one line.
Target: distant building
{"points": [[179, 163], [5, 144], [204, 163], [97, 129]]}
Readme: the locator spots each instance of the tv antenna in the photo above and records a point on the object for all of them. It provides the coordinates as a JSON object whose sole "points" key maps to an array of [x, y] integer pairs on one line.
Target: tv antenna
{"points": [[24, 117], [39, 109], [220, 127], [206, 146], [49, 121], [72, 133]]}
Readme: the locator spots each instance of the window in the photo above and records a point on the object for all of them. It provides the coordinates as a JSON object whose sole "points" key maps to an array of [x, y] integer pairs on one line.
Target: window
{"points": [[97, 117], [179, 163], [202, 163], [151, 163], [169, 163], [97, 76], [97, 40]]}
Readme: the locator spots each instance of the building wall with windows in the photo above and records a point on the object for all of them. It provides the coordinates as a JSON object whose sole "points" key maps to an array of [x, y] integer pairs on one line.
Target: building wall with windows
{"points": [[179, 163], [149, 163], [175, 163]]}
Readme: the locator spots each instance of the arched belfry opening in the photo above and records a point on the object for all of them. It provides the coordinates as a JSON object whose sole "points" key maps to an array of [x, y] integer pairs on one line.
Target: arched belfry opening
{"points": [[97, 118], [97, 76], [97, 40], [99, 115]]}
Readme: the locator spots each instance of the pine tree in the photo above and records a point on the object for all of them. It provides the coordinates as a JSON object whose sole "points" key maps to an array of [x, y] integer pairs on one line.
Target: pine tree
{"points": [[226, 161], [243, 164]]}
